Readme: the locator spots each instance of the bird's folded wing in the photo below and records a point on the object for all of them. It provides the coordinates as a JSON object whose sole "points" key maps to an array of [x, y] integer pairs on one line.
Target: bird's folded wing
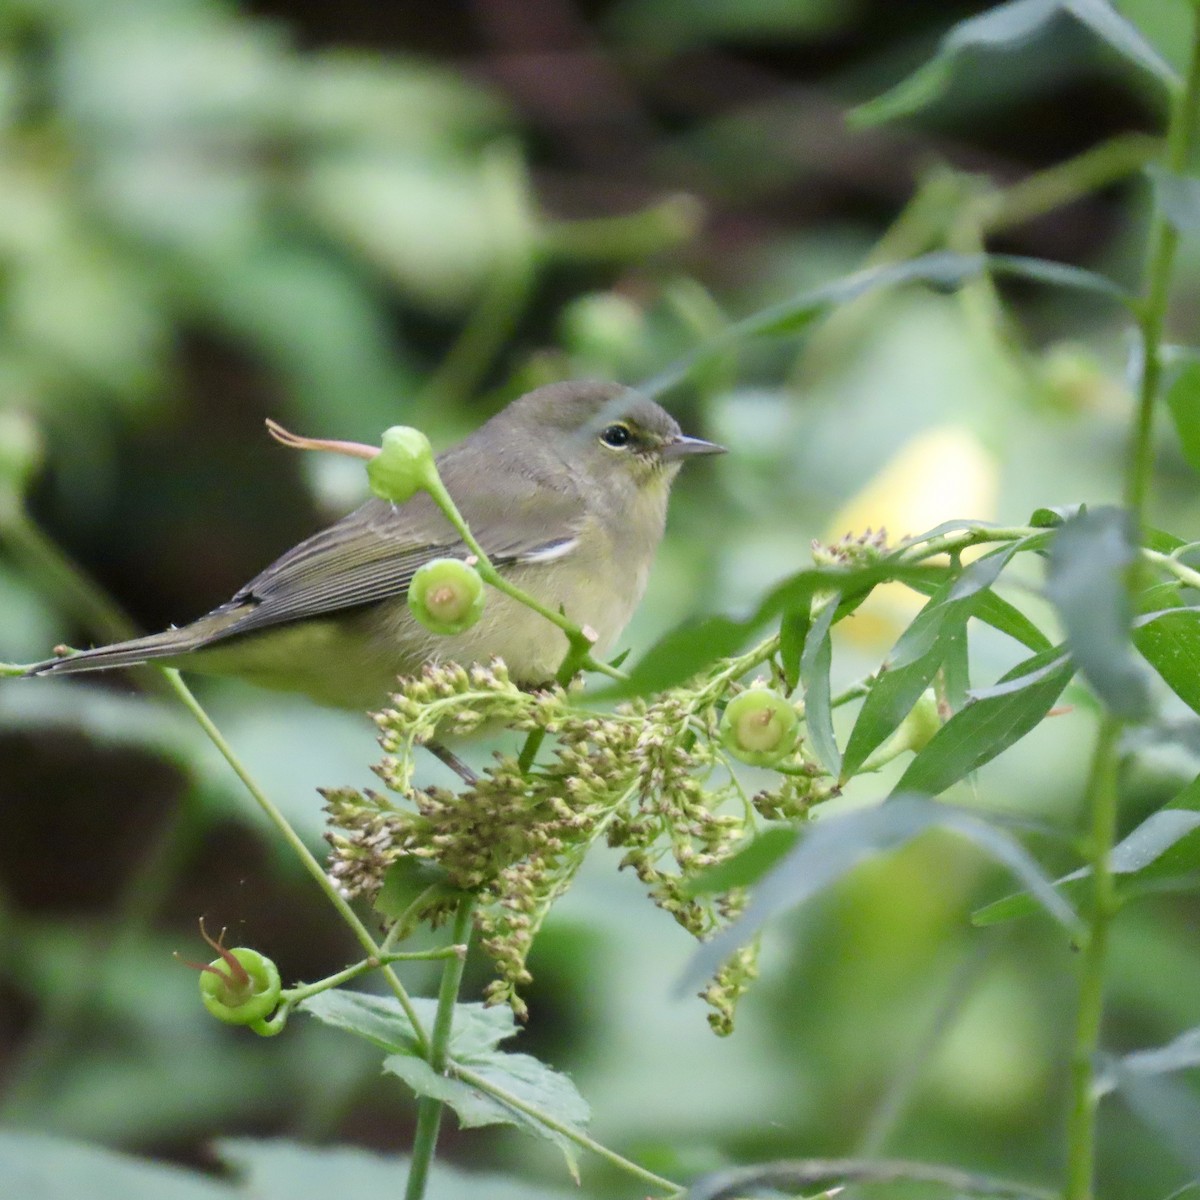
{"points": [[373, 553]]}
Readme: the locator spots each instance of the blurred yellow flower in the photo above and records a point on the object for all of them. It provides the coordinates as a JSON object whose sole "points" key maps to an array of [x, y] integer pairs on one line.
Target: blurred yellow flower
{"points": [[943, 473]]}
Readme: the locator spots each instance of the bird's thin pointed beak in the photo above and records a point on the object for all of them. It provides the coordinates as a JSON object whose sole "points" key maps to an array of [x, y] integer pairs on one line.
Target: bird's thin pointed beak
{"points": [[686, 447]]}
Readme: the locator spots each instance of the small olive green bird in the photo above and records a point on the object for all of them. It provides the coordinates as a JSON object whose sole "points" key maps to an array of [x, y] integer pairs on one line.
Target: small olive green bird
{"points": [[566, 491]]}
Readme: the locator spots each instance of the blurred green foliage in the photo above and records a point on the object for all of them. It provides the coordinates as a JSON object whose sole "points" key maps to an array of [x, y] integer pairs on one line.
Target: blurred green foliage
{"points": [[204, 220]]}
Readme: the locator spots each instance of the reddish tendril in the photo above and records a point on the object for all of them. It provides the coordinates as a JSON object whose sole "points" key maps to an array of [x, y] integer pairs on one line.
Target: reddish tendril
{"points": [[295, 442], [237, 978]]}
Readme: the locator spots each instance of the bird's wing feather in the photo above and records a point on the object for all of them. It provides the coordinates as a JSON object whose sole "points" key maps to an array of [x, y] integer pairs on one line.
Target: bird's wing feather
{"points": [[373, 553]]}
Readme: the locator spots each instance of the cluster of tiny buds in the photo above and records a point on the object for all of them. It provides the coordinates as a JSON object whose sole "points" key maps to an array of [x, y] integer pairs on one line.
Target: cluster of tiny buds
{"points": [[851, 549]]}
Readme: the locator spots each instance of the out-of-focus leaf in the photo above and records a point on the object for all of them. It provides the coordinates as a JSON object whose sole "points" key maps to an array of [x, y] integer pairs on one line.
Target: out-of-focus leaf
{"points": [[281, 1170], [1086, 581], [345, 96], [1167, 1107], [832, 1175], [815, 668], [1183, 400], [940, 269], [1180, 1054], [747, 866], [977, 733], [1163, 847], [89, 312], [1179, 198], [439, 229], [311, 318], [916, 657], [36, 1165], [830, 848], [1004, 28]]}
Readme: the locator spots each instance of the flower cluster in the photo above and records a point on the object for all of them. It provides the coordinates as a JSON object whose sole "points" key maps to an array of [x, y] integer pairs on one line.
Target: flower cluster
{"points": [[851, 550], [651, 778]]}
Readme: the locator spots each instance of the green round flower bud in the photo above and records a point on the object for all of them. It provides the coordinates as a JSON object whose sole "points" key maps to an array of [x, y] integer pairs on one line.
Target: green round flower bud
{"points": [[446, 595], [760, 727], [241, 987], [923, 721], [403, 466]]}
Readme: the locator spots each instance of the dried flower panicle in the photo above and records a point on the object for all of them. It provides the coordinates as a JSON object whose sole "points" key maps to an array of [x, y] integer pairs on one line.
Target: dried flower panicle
{"points": [[649, 778]]}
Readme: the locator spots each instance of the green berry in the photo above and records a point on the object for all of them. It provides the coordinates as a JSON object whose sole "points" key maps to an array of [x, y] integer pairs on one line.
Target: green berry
{"points": [[446, 595], [403, 466], [759, 727], [241, 991], [923, 721]]}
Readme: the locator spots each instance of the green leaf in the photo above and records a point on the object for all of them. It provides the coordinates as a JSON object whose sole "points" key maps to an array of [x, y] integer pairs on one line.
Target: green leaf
{"points": [[1001, 615], [1178, 197], [1166, 1107], [940, 268], [1005, 28], [476, 1032], [283, 1170], [1183, 401], [1086, 581], [918, 654], [793, 633], [977, 733], [830, 848], [1181, 1054], [1170, 643], [405, 881], [745, 867], [52, 1168], [1123, 36], [692, 646], [519, 1075], [815, 666], [1056, 274], [830, 1177], [1163, 849], [380, 1019]]}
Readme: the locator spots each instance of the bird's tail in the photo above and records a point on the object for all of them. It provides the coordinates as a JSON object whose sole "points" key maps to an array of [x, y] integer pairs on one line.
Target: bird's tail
{"points": [[169, 644]]}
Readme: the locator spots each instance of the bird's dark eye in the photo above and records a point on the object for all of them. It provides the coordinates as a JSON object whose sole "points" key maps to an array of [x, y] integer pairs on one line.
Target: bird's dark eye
{"points": [[616, 436]]}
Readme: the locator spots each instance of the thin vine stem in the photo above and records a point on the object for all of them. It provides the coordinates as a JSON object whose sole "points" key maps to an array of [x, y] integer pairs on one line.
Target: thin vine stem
{"points": [[580, 1139], [429, 1109], [307, 859]]}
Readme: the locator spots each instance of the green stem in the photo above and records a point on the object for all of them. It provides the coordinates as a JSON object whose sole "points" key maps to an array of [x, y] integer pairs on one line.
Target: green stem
{"points": [[580, 643], [483, 1084], [302, 991], [429, 1110], [1102, 789], [296, 843], [1163, 243], [1081, 1121]]}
